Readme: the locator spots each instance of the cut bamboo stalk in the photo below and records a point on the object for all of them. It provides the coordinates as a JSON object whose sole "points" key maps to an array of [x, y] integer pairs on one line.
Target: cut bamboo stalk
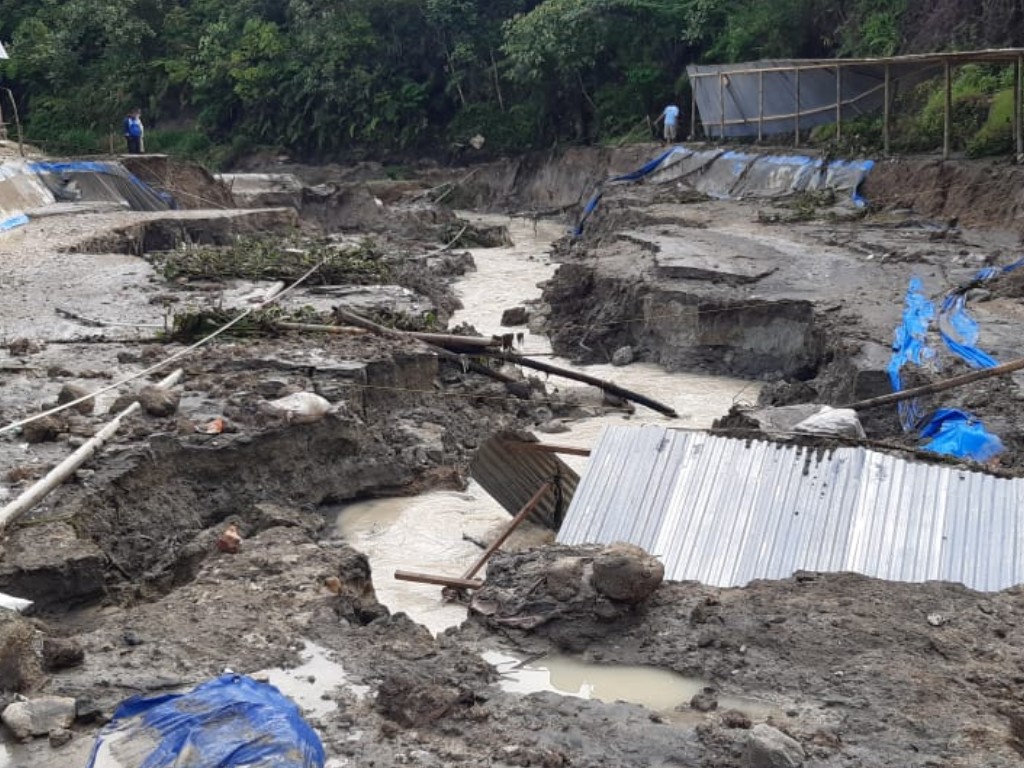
{"points": [[509, 529], [56, 476], [938, 386]]}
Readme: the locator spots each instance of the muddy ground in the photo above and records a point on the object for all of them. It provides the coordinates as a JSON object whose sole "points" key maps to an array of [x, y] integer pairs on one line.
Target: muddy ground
{"points": [[122, 560]]}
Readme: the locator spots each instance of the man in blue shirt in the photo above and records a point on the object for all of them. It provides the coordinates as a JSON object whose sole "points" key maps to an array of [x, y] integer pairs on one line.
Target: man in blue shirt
{"points": [[671, 117], [133, 132]]}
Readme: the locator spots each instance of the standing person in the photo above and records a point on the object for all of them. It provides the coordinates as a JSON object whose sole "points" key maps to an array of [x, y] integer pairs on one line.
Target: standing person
{"points": [[670, 116], [133, 131]]}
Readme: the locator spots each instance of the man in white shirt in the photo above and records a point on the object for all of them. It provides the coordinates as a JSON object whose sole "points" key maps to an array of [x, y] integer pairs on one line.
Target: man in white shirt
{"points": [[670, 116]]}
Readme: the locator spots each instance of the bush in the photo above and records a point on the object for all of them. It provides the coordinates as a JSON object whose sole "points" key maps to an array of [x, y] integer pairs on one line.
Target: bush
{"points": [[515, 129], [996, 135]]}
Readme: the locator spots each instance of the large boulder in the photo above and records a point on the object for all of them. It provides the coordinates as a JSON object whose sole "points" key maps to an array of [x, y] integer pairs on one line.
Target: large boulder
{"points": [[768, 747]]}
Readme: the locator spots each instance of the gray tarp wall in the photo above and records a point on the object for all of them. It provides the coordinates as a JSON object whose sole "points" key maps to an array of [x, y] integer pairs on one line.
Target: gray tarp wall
{"points": [[773, 93]]}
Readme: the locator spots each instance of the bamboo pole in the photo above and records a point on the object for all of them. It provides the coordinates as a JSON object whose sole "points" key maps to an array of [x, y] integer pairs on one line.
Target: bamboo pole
{"points": [[796, 112], [693, 111], [340, 330], [760, 107], [947, 113], [1018, 120], [441, 581], [56, 476], [509, 529], [886, 109], [721, 104], [839, 103], [607, 386], [446, 340], [938, 386]]}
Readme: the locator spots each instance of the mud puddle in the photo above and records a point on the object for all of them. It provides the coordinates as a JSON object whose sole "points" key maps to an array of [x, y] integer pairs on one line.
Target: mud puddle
{"points": [[659, 690], [309, 684], [431, 533]]}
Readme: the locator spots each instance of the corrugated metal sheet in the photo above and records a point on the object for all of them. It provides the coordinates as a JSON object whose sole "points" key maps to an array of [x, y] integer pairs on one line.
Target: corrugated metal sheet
{"points": [[724, 511], [511, 472]]}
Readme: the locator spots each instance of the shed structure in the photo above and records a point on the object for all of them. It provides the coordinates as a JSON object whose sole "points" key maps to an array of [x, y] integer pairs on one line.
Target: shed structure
{"points": [[726, 511], [777, 96]]}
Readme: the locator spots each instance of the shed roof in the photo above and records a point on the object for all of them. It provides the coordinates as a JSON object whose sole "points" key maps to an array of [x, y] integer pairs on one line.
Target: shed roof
{"points": [[725, 511]]}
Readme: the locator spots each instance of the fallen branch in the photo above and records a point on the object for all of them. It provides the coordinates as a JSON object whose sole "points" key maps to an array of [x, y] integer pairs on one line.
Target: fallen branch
{"points": [[338, 330], [938, 386], [92, 321], [441, 351], [607, 386], [449, 341], [56, 476]]}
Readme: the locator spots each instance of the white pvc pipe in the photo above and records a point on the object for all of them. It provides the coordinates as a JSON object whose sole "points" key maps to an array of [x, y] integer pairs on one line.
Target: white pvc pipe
{"points": [[56, 476]]}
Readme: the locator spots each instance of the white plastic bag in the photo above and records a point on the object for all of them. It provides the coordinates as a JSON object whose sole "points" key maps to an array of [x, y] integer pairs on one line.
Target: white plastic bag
{"points": [[841, 422], [301, 408]]}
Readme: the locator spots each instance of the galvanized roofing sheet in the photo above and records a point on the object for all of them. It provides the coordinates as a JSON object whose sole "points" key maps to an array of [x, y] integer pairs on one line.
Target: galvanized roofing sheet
{"points": [[725, 511], [512, 471]]}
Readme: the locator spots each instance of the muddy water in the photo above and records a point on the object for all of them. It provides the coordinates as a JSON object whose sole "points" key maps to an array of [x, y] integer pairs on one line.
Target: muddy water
{"points": [[657, 689], [427, 533]]}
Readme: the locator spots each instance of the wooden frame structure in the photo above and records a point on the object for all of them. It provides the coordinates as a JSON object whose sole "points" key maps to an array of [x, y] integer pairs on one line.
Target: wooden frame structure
{"points": [[946, 62]]}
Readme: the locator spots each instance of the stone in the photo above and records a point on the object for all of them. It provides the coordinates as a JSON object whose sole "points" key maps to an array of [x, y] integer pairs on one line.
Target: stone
{"points": [[44, 430], [704, 701], [515, 316], [768, 747], [60, 736], [122, 402], [71, 392], [622, 356], [626, 573], [158, 401], [553, 427], [62, 653], [20, 667], [87, 711], [37, 717], [49, 564], [733, 718]]}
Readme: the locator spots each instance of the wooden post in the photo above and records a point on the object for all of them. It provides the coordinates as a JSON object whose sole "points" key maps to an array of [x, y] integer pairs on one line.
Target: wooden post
{"points": [[886, 109], [796, 112], [760, 107], [441, 581], [721, 104], [839, 103], [1018, 121], [693, 108], [947, 121], [522, 515]]}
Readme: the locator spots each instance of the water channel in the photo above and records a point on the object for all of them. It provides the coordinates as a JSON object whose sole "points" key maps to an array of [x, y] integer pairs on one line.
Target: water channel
{"points": [[433, 532]]}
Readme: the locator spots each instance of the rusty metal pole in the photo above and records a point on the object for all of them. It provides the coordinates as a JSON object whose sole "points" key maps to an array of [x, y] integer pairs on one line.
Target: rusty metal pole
{"points": [[522, 515]]}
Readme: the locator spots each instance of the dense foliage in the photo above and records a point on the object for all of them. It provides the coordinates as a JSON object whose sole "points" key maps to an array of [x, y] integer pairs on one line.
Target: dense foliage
{"points": [[326, 77]]}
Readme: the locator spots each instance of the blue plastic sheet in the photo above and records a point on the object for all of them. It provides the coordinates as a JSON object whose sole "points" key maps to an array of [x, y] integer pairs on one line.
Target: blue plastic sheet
{"points": [[17, 220], [229, 722], [953, 432], [733, 174], [949, 431], [910, 346]]}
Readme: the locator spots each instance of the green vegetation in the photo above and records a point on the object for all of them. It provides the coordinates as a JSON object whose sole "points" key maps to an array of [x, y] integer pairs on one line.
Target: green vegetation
{"points": [[218, 78]]}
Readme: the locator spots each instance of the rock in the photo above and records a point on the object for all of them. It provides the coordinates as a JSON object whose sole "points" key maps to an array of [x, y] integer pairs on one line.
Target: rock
{"points": [[60, 736], [20, 667], [564, 578], [412, 702], [553, 427], [71, 392], [61, 653], [626, 573], [87, 711], [769, 747], [622, 356], [704, 701], [515, 316], [37, 717], [158, 401], [50, 564], [42, 430], [122, 402], [733, 718]]}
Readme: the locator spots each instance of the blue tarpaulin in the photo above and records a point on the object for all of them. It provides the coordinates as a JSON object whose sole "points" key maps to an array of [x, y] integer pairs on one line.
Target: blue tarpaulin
{"points": [[733, 175], [948, 431], [229, 722]]}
